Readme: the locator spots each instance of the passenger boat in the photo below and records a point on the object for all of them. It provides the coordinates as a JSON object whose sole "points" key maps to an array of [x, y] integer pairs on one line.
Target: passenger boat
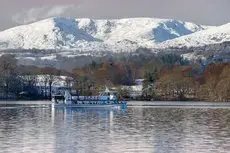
{"points": [[105, 99]]}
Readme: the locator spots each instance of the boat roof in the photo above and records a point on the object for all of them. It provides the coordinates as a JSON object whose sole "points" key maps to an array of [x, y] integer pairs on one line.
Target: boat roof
{"points": [[108, 91], [57, 96]]}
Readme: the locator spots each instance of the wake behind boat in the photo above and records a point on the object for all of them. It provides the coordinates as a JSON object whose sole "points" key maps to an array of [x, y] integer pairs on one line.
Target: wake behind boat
{"points": [[106, 98]]}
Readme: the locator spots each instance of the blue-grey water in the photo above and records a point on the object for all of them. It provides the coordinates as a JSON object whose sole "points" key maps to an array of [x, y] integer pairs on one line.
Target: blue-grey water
{"points": [[32, 128]]}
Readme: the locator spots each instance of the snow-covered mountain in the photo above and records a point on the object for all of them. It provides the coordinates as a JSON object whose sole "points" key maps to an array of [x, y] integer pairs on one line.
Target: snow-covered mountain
{"points": [[95, 35], [62, 42], [214, 36]]}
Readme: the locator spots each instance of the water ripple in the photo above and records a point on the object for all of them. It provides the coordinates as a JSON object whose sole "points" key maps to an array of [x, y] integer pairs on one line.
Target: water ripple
{"points": [[135, 130]]}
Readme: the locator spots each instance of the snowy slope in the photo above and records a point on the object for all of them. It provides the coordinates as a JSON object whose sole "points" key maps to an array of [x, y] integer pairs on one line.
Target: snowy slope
{"points": [[211, 36], [97, 35], [46, 34]]}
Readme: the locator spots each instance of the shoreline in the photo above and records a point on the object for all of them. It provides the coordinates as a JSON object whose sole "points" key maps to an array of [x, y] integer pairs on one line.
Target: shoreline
{"points": [[135, 103], [178, 104]]}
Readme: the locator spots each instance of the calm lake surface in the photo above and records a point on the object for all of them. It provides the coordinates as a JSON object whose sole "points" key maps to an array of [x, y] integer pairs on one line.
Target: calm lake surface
{"points": [[138, 129]]}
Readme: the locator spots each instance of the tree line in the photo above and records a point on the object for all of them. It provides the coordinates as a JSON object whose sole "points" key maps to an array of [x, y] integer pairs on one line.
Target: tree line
{"points": [[166, 77], [21, 82]]}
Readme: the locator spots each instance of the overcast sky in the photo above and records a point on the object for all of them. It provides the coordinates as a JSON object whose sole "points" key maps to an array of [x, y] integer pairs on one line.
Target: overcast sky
{"points": [[210, 12]]}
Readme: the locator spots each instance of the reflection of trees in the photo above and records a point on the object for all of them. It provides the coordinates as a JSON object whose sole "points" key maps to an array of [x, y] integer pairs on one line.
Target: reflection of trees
{"points": [[148, 129], [176, 129], [19, 125]]}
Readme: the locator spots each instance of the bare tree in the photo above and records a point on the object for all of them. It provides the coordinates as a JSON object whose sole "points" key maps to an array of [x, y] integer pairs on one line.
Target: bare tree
{"points": [[50, 76], [8, 67]]}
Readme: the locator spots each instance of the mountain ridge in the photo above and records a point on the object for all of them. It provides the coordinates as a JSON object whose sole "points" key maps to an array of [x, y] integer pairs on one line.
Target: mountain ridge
{"points": [[89, 34], [214, 35]]}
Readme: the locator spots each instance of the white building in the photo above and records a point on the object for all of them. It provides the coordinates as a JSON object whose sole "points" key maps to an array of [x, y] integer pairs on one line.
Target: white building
{"points": [[135, 90], [59, 83]]}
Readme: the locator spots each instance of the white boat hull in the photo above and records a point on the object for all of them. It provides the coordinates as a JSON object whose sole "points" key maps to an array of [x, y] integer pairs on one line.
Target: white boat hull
{"points": [[105, 100], [91, 105]]}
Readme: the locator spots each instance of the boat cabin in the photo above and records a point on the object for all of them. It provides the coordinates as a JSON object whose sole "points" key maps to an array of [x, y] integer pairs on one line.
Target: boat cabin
{"points": [[108, 94], [58, 98]]}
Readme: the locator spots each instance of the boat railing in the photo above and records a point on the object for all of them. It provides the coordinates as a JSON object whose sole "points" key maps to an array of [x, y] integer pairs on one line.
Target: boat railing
{"points": [[93, 98], [98, 102], [76, 99], [91, 102]]}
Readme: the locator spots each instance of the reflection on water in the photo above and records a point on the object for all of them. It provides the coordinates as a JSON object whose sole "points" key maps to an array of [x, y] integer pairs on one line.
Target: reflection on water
{"points": [[137, 129]]}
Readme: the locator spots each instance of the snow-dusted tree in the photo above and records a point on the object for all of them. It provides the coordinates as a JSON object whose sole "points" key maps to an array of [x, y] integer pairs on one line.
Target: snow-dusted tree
{"points": [[49, 77]]}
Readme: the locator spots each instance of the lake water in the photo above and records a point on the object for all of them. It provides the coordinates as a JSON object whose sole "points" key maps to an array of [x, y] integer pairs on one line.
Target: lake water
{"points": [[138, 129]]}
